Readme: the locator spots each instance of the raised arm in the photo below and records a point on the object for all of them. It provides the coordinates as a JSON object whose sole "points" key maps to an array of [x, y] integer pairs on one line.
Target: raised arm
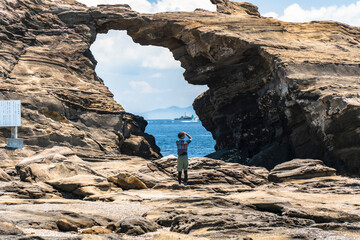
{"points": [[188, 136]]}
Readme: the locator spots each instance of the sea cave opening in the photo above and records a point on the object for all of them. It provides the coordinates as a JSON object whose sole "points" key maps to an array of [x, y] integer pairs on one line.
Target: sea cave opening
{"points": [[147, 81]]}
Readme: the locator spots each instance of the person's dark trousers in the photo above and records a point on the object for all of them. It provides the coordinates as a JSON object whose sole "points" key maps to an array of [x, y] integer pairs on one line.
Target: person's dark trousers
{"points": [[186, 177]]}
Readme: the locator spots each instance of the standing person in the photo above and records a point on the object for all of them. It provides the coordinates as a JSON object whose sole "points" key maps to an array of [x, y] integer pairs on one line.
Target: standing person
{"points": [[183, 160]]}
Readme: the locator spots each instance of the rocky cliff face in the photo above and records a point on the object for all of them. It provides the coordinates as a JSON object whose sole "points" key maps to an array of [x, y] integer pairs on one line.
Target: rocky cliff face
{"points": [[48, 65], [276, 90]]}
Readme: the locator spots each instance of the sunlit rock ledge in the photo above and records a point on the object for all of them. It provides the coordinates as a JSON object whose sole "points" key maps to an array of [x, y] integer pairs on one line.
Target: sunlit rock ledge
{"points": [[58, 194]]}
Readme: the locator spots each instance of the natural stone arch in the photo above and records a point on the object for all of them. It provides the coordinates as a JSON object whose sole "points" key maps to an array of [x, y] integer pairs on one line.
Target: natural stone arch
{"points": [[259, 101], [254, 64]]}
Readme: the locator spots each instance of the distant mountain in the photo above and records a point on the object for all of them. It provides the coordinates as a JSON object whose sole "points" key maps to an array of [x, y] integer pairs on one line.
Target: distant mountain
{"points": [[168, 113]]}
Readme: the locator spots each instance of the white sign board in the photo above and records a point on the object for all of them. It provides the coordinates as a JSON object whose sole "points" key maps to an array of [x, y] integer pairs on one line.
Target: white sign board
{"points": [[10, 113]]}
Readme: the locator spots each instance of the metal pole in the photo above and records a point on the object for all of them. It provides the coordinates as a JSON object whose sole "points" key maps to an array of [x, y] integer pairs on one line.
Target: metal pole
{"points": [[14, 132]]}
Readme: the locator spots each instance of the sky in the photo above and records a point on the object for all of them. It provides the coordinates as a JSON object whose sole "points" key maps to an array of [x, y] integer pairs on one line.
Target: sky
{"points": [[144, 78]]}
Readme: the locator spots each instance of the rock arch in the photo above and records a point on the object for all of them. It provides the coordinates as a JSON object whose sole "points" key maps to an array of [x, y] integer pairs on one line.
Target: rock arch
{"points": [[276, 90]]}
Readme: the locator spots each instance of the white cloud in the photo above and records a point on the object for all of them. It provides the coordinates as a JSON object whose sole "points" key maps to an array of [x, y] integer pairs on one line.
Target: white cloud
{"points": [[117, 50], [160, 6], [271, 14], [144, 87], [349, 14], [196, 89], [162, 60], [182, 5], [156, 75]]}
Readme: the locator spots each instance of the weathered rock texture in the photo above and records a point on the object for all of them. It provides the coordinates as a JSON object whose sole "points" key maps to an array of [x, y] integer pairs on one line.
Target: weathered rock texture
{"points": [[4, 176], [62, 169], [136, 226], [277, 90], [300, 169], [47, 64], [127, 181], [222, 201], [205, 171]]}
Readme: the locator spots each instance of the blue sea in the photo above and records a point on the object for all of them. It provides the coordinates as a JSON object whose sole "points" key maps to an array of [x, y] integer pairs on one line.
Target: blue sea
{"points": [[165, 133]]}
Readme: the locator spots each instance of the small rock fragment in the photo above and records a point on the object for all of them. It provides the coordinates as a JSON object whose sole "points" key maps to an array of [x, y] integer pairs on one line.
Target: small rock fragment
{"points": [[127, 181]]}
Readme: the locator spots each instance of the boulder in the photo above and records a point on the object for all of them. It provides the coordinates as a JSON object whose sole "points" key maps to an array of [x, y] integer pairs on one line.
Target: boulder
{"points": [[66, 226], [136, 226], [300, 169], [127, 181], [142, 146]]}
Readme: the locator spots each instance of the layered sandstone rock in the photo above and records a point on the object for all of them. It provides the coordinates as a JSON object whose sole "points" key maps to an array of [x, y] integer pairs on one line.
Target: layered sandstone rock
{"points": [[205, 171], [62, 169], [136, 226], [300, 169], [222, 201], [277, 90], [47, 64], [4, 176]]}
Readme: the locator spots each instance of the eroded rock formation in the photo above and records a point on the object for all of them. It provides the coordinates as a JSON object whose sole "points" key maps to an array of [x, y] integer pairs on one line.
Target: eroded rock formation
{"points": [[222, 200], [47, 64], [277, 90]]}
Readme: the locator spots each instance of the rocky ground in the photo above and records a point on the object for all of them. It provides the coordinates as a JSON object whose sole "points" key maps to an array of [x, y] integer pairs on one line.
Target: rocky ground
{"points": [[61, 194]]}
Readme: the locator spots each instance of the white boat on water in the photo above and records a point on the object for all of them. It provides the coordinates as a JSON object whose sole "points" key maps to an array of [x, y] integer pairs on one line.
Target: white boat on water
{"points": [[186, 119]]}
